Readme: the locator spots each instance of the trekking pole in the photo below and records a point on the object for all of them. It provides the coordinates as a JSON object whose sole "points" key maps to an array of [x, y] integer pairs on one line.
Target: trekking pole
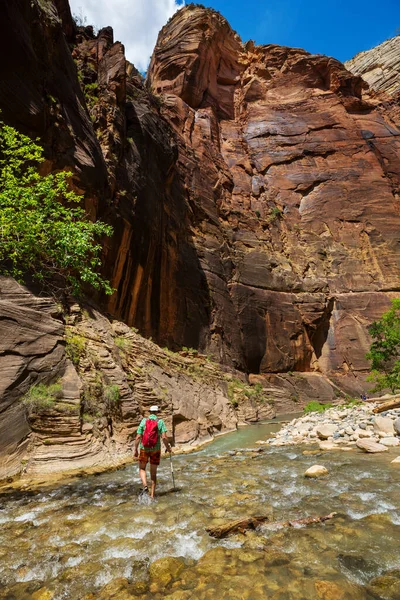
{"points": [[172, 470]]}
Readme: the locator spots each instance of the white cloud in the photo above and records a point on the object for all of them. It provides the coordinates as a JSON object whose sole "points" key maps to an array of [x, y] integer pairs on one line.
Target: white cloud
{"points": [[136, 23]]}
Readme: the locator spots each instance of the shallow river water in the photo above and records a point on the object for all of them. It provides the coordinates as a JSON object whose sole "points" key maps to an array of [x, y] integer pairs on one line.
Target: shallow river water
{"points": [[96, 538]]}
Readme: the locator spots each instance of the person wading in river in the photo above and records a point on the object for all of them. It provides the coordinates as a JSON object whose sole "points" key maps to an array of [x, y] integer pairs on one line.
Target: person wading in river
{"points": [[149, 435]]}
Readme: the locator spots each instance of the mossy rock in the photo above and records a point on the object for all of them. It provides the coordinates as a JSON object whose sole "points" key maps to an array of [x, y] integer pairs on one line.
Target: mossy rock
{"points": [[247, 555], [386, 587], [179, 595], [163, 571], [330, 590], [214, 561], [275, 558], [113, 587], [43, 594]]}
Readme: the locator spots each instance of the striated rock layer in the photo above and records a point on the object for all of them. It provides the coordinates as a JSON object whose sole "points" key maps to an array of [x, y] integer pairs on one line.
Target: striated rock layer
{"points": [[99, 378], [380, 66]]}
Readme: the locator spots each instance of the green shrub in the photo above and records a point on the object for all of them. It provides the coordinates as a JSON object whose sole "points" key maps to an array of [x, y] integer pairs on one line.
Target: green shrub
{"points": [[43, 233], [350, 402], [275, 213], [87, 418], [75, 347], [123, 343], [316, 407], [384, 352], [41, 397], [111, 394]]}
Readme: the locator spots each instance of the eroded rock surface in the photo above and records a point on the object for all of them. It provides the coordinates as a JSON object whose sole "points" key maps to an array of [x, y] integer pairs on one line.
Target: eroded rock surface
{"points": [[98, 378], [283, 163], [380, 66]]}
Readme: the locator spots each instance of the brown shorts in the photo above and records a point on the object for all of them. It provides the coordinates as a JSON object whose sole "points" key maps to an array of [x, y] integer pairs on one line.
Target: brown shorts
{"points": [[154, 457]]}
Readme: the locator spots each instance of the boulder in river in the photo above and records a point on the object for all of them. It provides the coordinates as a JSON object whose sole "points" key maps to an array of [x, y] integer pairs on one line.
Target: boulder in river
{"points": [[370, 446], [396, 461], [163, 571], [390, 441], [384, 425], [326, 431], [316, 471], [396, 426]]}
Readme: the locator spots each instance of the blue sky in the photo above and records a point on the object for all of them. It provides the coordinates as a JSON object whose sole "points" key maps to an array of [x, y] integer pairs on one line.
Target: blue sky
{"points": [[340, 29]]}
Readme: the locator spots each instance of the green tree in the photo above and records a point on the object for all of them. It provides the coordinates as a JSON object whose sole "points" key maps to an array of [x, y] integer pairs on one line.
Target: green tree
{"points": [[385, 350], [43, 230]]}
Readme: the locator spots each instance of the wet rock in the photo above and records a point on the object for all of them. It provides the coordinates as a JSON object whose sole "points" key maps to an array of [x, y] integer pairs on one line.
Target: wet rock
{"points": [[163, 571], [43, 594], [370, 446], [113, 587], [396, 426], [179, 595], [358, 565], [329, 590], [396, 461], [385, 587], [214, 561], [276, 558], [316, 471]]}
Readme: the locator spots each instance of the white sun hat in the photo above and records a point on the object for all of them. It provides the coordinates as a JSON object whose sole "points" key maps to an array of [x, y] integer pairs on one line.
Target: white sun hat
{"points": [[154, 408]]}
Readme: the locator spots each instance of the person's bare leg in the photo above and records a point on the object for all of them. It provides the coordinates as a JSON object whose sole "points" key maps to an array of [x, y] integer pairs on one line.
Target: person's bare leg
{"points": [[153, 475], [142, 473]]}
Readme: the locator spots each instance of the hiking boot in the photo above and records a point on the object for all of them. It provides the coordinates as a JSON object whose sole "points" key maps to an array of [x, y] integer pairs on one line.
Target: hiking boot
{"points": [[144, 490]]}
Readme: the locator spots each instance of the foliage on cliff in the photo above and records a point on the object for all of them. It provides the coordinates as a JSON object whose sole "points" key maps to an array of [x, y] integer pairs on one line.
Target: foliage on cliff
{"points": [[385, 350], [43, 231]]}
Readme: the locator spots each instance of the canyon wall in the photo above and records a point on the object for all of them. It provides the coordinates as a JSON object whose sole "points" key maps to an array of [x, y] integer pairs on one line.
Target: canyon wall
{"points": [[293, 180]]}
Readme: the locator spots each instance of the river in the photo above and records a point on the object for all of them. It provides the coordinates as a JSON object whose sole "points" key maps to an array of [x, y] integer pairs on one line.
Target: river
{"points": [[73, 540]]}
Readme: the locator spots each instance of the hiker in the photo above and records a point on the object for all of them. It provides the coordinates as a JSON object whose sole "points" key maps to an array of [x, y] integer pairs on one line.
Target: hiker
{"points": [[149, 435]]}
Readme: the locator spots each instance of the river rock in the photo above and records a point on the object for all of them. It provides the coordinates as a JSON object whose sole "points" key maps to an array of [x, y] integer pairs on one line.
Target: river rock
{"points": [[163, 571], [316, 471], [42, 594], [396, 461], [329, 590], [370, 446], [384, 425], [328, 445], [326, 431], [364, 433], [396, 426], [390, 441]]}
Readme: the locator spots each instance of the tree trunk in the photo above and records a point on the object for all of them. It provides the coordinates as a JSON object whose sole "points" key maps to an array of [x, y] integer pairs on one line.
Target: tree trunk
{"points": [[395, 403], [241, 525]]}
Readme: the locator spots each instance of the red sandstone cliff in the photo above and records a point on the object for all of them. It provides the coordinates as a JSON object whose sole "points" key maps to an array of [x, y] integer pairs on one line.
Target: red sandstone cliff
{"points": [[292, 181]]}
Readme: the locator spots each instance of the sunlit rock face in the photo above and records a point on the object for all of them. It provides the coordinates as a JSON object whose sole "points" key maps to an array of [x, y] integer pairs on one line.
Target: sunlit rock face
{"points": [[380, 66], [292, 179], [380, 69]]}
